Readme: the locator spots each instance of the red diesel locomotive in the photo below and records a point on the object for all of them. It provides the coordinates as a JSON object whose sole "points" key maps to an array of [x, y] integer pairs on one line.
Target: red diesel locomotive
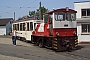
{"points": [[58, 30]]}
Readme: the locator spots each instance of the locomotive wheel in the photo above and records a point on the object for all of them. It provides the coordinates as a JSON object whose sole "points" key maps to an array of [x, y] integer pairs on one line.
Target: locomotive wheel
{"points": [[40, 44]]}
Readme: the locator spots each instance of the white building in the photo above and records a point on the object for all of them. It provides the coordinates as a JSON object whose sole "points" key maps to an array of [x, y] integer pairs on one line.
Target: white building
{"points": [[83, 21], [5, 26]]}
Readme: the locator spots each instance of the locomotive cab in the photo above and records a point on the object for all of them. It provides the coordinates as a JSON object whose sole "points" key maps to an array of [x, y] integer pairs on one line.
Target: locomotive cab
{"points": [[61, 22]]}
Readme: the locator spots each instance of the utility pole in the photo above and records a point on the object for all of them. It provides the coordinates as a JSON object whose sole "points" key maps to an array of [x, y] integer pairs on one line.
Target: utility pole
{"points": [[14, 16], [41, 17], [0, 16]]}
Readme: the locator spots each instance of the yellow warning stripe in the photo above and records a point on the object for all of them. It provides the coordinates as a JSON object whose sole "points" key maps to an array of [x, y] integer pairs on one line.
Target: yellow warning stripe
{"points": [[55, 41], [55, 47], [76, 45], [55, 44], [55, 38], [76, 42]]}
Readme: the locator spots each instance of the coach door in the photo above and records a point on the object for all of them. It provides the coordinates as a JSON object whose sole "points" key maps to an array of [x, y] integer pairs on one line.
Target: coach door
{"points": [[29, 30]]}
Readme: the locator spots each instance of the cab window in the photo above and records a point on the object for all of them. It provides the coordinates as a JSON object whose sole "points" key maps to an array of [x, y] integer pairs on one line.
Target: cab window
{"points": [[59, 16], [71, 16], [46, 18]]}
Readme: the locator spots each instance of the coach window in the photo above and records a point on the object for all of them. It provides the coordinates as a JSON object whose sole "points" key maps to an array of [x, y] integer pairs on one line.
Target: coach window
{"points": [[17, 27], [31, 25], [20, 26], [27, 26], [13, 26], [23, 26]]}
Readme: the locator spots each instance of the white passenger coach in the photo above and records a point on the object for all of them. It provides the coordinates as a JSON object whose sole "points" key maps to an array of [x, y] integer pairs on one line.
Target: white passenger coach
{"points": [[25, 28]]}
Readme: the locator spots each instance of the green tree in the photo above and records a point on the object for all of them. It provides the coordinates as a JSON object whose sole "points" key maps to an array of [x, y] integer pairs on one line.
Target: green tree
{"points": [[32, 13], [43, 10], [39, 12]]}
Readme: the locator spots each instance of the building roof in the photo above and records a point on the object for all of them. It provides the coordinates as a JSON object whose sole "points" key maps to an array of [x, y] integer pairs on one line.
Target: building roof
{"points": [[83, 20], [81, 1], [4, 21]]}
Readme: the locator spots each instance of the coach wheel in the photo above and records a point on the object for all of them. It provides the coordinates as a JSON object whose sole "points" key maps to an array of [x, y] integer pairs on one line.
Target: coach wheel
{"points": [[23, 39], [27, 41]]}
